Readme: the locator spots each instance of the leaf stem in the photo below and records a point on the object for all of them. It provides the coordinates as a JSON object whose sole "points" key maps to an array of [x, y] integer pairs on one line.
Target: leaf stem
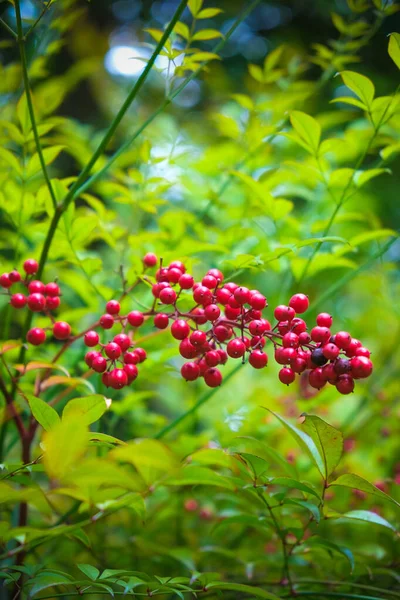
{"points": [[8, 28]]}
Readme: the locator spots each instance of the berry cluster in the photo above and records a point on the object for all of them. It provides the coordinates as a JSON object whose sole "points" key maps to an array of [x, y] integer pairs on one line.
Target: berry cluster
{"points": [[40, 297], [213, 322]]}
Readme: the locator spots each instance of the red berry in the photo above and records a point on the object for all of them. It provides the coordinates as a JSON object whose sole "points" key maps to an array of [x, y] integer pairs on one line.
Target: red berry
{"points": [[162, 274], [290, 340], [61, 330], [14, 276], [223, 295], [298, 364], [231, 286], [5, 281], [36, 336], [190, 371], [131, 358], [213, 377], [212, 312], [91, 356], [202, 295], [288, 355], [113, 350], [284, 313], [242, 295], [156, 289], [123, 341], [99, 364], [191, 505], [36, 302], [199, 315], [257, 340], [198, 338], [113, 307], [106, 321], [329, 373], [186, 349], [167, 295], [320, 334], [361, 351], [231, 313], [299, 303], [298, 326], [36, 287], [324, 320], [287, 375], [52, 289], [236, 348], [316, 378], [135, 318], [105, 378], [342, 366], [209, 282], [258, 301], [212, 358], [258, 359], [177, 264], [180, 329], [52, 302], [217, 274], [141, 354], [186, 281], [131, 371], [352, 347], [118, 379], [174, 275], [18, 300], [304, 338], [279, 357], [342, 340], [31, 266], [330, 351], [161, 321], [361, 367], [345, 384], [257, 327], [150, 259], [223, 357], [222, 333]]}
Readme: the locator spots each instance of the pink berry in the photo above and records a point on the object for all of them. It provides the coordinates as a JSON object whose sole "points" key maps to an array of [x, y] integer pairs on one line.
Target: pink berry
{"points": [[52, 289], [324, 320], [161, 321], [177, 264], [131, 371], [191, 505], [174, 275], [299, 303], [213, 377], [36, 287], [113, 307], [36, 302], [99, 364], [135, 318], [216, 273], [236, 348], [61, 330], [162, 275], [36, 336], [123, 341], [118, 379], [167, 295], [190, 371], [180, 329], [5, 281], [258, 359], [150, 259], [209, 282], [31, 266], [106, 321], [18, 300], [14, 276], [186, 281], [287, 375], [113, 350]]}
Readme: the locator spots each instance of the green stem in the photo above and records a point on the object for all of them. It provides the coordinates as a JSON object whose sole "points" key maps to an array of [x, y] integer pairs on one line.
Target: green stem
{"points": [[34, 25], [335, 595], [21, 46], [362, 586], [8, 28], [205, 398]]}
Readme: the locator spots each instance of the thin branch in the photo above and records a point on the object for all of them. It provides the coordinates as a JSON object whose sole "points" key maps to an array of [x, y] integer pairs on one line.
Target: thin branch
{"points": [[8, 28]]}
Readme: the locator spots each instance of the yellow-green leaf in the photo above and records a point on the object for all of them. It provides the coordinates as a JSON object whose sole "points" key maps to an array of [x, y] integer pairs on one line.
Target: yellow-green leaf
{"points": [[359, 84], [354, 481], [89, 408], [43, 412], [207, 34], [307, 128], [64, 445], [394, 48], [327, 439]]}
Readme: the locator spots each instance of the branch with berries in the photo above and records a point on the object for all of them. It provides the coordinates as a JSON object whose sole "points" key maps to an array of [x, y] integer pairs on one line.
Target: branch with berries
{"points": [[213, 322]]}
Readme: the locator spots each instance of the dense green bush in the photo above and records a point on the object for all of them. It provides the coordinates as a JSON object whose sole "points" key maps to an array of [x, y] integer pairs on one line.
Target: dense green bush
{"points": [[282, 176]]}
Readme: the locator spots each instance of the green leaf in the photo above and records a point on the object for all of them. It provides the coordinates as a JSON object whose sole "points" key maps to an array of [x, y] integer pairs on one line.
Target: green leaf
{"points": [[11, 160], [208, 13], [64, 444], [49, 155], [368, 517], [327, 439], [89, 571], [390, 151], [260, 449], [44, 414], [362, 177], [242, 588], [41, 582], [359, 483], [182, 29], [293, 483], [314, 510], [88, 408], [359, 84], [207, 34], [193, 475], [195, 6], [394, 48], [150, 457], [305, 442], [308, 129], [350, 100], [316, 541]]}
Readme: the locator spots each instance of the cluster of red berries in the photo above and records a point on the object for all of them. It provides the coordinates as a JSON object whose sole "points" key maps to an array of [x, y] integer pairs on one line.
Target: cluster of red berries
{"points": [[215, 321], [41, 297]]}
